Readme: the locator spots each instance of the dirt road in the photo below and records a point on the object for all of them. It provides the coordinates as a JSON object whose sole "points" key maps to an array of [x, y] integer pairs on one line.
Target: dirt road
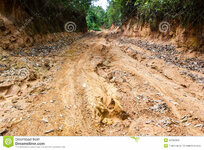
{"points": [[111, 86]]}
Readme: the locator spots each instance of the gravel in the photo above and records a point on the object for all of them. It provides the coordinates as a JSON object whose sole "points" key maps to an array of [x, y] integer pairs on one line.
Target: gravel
{"points": [[168, 53]]}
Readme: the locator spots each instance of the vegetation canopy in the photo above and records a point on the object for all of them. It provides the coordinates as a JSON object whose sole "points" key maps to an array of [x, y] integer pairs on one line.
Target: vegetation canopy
{"points": [[184, 12]]}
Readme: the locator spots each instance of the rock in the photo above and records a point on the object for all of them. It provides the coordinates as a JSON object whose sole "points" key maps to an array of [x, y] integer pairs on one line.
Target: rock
{"points": [[169, 129], [148, 122], [5, 45], [184, 119], [188, 124], [198, 125], [2, 98], [107, 121], [69, 107], [61, 127], [112, 79], [21, 118], [49, 131], [167, 122], [47, 64], [33, 76], [14, 100], [2, 131], [18, 107], [154, 67], [43, 92], [12, 39], [183, 85], [3, 67], [44, 120], [52, 101], [84, 85], [160, 107], [123, 115], [137, 98], [175, 103]]}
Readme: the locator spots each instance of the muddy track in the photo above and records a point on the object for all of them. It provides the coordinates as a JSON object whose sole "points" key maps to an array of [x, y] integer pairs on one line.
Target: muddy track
{"points": [[108, 87]]}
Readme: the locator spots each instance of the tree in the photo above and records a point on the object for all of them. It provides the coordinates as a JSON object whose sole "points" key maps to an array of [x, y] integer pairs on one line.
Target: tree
{"points": [[95, 18]]}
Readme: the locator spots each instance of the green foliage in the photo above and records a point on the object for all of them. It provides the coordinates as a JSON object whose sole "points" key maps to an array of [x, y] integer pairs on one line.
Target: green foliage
{"points": [[75, 5], [184, 11], [147, 11], [113, 14], [95, 18]]}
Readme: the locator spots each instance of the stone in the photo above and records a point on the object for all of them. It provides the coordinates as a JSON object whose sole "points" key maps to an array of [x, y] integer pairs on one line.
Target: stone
{"points": [[49, 131], [175, 103], [2, 131], [184, 119], [52, 101], [160, 107], [61, 127], [44, 120], [69, 107], [84, 85], [107, 121], [198, 125], [188, 124], [5, 45], [14, 101], [148, 122], [33, 76]]}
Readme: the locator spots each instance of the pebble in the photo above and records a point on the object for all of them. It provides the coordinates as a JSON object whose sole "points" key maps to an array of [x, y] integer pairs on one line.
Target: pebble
{"points": [[169, 129], [2, 131], [49, 131], [21, 119], [45, 120], [84, 85], [168, 53], [52, 101], [69, 107], [61, 127], [160, 107], [184, 118], [188, 124], [148, 122], [175, 103], [14, 119], [198, 125], [137, 98], [43, 92]]}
